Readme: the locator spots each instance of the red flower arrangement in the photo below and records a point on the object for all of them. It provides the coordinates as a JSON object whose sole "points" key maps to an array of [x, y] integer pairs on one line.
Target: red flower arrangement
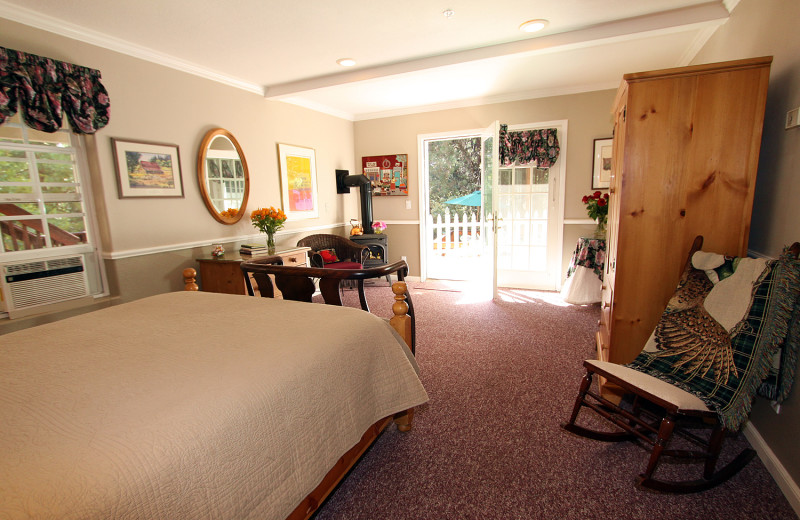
{"points": [[597, 207]]}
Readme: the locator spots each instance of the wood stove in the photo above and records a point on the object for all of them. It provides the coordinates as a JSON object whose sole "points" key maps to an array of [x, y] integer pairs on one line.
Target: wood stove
{"points": [[377, 245], [378, 249]]}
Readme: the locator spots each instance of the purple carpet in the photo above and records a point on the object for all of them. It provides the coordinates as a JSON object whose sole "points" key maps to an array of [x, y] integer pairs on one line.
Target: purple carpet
{"points": [[501, 377]]}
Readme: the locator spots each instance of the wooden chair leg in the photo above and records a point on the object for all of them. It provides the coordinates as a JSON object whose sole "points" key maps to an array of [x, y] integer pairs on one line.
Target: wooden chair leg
{"points": [[664, 435], [586, 383], [714, 447]]}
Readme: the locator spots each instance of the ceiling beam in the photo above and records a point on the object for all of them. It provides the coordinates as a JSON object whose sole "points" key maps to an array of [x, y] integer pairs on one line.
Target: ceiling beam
{"points": [[710, 14]]}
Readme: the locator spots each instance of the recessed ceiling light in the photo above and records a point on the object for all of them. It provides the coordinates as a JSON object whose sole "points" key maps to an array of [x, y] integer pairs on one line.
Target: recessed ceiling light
{"points": [[533, 25], [447, 13], [346, 62]]}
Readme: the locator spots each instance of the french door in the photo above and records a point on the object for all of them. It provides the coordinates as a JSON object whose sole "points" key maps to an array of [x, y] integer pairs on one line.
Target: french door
{"points": [[521, 220], [523, 210]]}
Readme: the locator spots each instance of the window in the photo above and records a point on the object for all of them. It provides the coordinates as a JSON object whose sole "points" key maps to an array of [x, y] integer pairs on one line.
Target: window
{"points": [[43, 198]]}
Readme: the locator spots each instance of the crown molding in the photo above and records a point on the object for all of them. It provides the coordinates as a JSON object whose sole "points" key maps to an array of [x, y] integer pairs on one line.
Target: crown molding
{"points": [[47, 23]]}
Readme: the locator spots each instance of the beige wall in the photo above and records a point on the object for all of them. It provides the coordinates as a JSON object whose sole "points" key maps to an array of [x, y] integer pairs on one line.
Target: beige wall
{"points": [[769, 28], [588, 117], [154, 103]]}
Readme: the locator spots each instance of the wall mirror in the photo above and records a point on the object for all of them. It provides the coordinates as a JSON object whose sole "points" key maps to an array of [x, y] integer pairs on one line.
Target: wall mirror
{"points": [[223, 176]]}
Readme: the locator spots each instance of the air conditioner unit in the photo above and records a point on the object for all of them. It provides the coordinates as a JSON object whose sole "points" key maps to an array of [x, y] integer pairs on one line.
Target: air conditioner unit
{"points": [[28, 286]]}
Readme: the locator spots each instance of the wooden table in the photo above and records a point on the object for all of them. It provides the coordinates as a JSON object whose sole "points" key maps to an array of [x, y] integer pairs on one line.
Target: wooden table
{"points": [[223, 275]]}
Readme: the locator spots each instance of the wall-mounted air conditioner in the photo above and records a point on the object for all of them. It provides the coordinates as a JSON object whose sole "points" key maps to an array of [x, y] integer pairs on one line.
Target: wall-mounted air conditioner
{"points": [[29, 285]]}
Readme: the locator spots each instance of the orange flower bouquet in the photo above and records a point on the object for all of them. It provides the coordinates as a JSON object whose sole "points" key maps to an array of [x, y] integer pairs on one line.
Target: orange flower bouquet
{"points": [[268, 220]]}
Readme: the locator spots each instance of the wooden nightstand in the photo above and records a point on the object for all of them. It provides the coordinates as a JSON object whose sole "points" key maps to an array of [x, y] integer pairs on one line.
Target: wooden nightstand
{"points": [[223, 275]]}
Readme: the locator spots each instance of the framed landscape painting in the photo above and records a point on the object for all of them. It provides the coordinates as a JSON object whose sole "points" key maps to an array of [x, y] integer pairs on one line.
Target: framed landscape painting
{"points": [[298, 167], [146, 169]]}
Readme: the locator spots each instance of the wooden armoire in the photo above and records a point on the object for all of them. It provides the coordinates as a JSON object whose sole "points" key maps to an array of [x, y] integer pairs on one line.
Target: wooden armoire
{"points": [[685, 155]]}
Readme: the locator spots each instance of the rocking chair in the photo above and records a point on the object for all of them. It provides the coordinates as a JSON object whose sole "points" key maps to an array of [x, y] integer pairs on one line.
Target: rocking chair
{"points": [[703, 364]]}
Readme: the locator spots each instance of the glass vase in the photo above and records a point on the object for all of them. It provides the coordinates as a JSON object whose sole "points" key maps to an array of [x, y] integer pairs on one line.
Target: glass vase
{"points": [[270, 243], [600, 230]]}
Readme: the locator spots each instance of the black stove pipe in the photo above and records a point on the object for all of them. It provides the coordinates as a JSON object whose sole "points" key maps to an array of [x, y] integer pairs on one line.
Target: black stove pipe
{"points": [[343, 183]]}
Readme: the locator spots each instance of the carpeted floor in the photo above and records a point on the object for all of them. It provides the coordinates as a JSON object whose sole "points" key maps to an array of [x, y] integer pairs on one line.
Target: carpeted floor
{"points": [[501, 377]]}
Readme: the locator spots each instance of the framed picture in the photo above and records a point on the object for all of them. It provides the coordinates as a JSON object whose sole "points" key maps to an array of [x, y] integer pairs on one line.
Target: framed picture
{"points": [[601, 163], [146, 169], [298, 167], [388, 173]]}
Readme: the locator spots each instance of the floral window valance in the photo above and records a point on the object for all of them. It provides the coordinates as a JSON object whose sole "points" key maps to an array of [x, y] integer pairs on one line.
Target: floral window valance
{"points": [[528, 146], [44, 87]]}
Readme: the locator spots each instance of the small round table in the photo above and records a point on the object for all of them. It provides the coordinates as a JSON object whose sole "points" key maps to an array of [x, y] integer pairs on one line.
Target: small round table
{"points": [[585, 273]]}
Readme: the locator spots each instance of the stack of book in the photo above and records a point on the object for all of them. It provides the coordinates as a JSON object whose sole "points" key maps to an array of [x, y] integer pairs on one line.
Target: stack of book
{"points": [[253, 249]]}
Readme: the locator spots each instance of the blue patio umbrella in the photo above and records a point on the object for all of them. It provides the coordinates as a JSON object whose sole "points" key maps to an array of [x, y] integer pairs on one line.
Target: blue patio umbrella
{"points": [[473, 199]]}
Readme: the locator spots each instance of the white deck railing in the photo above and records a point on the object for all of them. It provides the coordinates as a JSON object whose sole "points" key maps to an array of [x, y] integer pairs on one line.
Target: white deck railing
{"points": [[454, 234]]}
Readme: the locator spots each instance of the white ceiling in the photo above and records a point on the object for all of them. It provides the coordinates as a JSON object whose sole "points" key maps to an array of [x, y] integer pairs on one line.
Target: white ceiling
{"points": [[410, 57]]}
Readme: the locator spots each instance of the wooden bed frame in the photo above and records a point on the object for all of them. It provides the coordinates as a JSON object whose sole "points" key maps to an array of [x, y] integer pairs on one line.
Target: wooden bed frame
{"points": [[402, 322]]}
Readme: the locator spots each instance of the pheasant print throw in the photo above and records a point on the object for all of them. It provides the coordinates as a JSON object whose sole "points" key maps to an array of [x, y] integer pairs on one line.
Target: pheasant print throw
{"points": [[721, 329]]}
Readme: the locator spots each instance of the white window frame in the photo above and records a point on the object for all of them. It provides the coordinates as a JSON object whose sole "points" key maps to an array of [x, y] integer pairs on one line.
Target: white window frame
{"points": [[90, 251]]}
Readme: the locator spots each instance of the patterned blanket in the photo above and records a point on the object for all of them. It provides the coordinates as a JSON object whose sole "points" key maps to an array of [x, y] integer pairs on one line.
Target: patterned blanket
{"points": [[727, 322]]}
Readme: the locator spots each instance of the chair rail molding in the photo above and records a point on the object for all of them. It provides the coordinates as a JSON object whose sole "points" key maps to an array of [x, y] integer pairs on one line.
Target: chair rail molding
{"points": [[129, 253]]}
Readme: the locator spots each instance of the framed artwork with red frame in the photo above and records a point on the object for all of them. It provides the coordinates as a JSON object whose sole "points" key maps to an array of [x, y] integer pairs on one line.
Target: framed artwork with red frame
{"points": [[388, 173]]}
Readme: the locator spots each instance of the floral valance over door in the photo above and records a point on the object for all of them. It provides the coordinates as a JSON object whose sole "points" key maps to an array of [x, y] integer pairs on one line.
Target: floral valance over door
{"points": [[44, 87], [528, 146]]}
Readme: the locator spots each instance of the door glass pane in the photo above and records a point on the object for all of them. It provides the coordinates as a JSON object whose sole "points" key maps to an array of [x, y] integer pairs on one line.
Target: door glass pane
{"points": [[522, 176], [519, 262], [504, 205], [522, 206], [539, 232], [539, 205], [538, 258], [505, 177], [521, 232]]}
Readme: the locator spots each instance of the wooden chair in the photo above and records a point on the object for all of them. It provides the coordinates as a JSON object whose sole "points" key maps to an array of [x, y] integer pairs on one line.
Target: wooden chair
{"points": [[297, 283], [689, 381]]}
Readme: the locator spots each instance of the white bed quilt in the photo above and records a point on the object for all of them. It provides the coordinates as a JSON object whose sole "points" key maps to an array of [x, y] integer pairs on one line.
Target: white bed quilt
{"points": [[191, 405]]}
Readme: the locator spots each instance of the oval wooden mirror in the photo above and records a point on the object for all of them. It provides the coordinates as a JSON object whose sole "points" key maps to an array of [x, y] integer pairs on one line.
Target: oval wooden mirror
{"points": [[223, 176]]}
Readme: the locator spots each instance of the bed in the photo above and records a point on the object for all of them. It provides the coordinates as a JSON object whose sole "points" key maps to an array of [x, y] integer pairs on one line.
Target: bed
{"points": [[194, 405]]}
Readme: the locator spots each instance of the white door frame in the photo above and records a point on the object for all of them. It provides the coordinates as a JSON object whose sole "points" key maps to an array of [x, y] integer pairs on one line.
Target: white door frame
{"points": [[424, 185]]}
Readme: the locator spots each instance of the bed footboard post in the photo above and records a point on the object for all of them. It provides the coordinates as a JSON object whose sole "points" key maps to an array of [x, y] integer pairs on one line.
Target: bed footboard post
{"points": [[401, 321], [404, 419], [189, 279]]}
